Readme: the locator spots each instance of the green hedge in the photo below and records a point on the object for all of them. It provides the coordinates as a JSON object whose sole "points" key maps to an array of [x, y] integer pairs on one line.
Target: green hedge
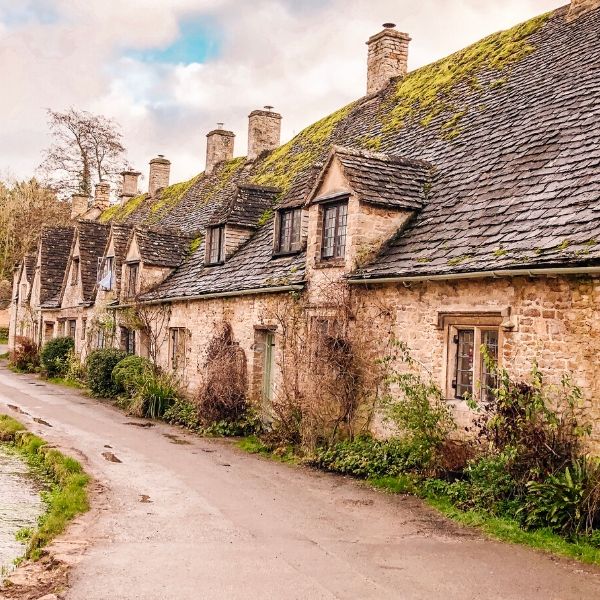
{"points": [[99, 367], [54, 356]]}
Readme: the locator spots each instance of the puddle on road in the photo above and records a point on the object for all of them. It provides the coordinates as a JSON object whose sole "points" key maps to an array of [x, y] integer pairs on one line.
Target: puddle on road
{"points": [[20, 505]]}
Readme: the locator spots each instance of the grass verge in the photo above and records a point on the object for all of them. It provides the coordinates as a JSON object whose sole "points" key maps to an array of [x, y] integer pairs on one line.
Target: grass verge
{"points": [[67, 496], [499, 528]]}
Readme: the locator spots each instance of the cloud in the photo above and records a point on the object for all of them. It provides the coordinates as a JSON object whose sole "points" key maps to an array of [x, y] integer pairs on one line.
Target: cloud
{"points": [[168, 71]]}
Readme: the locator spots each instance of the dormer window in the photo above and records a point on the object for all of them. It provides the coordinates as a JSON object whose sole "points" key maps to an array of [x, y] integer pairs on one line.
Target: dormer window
{"points": [[335, 217], [75, 271], [105, 273], [132, 279], [215, 245], [288, 232]]}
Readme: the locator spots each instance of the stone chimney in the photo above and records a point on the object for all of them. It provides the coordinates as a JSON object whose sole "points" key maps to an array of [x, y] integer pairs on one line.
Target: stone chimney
{"points": [[130, 185], [160, 170], [79, 205], [102, 195], [580, 7], [388, 57], [264, 131], [219, 147]]}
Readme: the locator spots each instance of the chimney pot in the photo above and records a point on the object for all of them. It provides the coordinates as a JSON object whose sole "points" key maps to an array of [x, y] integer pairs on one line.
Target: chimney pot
{"points": [[219, 147], [264, 131], [102, 195], [160, 169], [388, 57], [79, 205]]}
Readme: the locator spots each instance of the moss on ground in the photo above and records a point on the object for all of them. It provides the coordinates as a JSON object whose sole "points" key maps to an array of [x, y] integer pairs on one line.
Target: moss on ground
{"points": [[67, 496]]}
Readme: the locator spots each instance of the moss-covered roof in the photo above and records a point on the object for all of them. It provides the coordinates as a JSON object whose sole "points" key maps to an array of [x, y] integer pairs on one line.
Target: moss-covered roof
{"points": [[507, 122]]}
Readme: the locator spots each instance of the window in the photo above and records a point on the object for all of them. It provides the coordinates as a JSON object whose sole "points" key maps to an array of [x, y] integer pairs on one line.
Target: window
{"points": [[472, 358], [83, 328], [215, 238], [48, 330], [101, 339], [288, 232], [132, 278], [177, 347], [75, 272], [128, 340], [72, 328], [106, 273], [333, 244]]}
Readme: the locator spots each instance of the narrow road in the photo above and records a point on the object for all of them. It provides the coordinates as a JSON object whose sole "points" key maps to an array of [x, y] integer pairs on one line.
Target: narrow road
{"points": [[190, 518]]}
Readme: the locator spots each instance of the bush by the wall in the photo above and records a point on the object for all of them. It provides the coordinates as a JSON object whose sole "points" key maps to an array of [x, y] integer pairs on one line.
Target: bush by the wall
{"points": [[128, 374], [183, 412], [55, 355], [155, 394], [25, 357], [99, 367]]}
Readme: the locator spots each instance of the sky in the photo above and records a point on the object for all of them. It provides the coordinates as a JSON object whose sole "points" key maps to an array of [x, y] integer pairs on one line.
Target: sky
{"points": [[168, 70]]}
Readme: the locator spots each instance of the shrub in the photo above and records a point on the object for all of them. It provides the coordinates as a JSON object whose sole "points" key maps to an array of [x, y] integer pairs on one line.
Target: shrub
{"points": [[25, 356], [99, 367], [567, 502], [183, 412], [156, 393], [222, 395], [364, 457], [249, 423], [54, 356], [420, 414], [128, 374]]}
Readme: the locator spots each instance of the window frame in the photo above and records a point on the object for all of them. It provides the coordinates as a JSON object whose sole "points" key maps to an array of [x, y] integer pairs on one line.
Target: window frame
{"points": [[219, 230], [177, 347], [103, 272], [338, 252], [128, 341], [132, 281], [75, 271], [71, 326], [478, 327], [293, 244]]}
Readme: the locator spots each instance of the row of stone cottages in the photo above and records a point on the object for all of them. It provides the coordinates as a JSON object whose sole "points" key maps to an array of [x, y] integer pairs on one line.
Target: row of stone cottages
{"points": [[460, 203]]}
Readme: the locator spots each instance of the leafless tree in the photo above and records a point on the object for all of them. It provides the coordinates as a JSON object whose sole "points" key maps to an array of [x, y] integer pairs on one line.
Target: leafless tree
{"points": [[85, 149]]}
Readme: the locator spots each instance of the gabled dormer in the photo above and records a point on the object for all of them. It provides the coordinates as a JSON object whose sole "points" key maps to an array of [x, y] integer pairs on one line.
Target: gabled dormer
{"points": [[111, 263], [360, 200], [24, 280], [234, 222], [81, 273], [150, 257]]}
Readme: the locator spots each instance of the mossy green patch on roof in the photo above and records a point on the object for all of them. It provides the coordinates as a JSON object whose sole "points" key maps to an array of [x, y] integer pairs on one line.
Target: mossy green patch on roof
{"points": [[427, 92], [119, 213], [284, 164], [170, 197], [195, 244]]}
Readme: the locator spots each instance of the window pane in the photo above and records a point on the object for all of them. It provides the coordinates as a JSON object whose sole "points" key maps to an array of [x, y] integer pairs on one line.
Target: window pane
{"points": [[340, 238], [329, 218], [464, 362], [489, 379], [296, 226]]}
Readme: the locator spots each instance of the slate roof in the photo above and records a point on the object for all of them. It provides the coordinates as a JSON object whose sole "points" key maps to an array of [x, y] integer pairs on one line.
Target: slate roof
{"points": [[515, 142], [55, 248], [30, 261], [383, 180], [92, 238], [247, 207], [161, 248]]}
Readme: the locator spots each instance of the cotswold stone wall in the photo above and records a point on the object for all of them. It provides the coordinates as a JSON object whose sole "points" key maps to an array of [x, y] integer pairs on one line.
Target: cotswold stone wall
{"points": [[250, 318], [556, 323]]}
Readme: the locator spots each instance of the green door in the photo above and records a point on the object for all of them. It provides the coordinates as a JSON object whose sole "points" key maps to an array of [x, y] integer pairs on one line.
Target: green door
{"points": [[269, 356]]}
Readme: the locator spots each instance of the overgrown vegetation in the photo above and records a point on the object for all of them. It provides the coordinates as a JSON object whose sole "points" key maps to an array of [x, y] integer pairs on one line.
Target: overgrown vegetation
{"points": [[67, 496], [99, 366], [24, 358], [55, 355]]}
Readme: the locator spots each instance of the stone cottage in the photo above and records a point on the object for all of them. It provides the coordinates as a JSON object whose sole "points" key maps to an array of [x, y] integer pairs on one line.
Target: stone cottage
{"points": [[458, 203]]}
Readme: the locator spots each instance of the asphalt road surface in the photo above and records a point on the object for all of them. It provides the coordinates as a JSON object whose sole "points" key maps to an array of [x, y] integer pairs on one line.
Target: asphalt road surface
{"points": [[189, 518]]}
